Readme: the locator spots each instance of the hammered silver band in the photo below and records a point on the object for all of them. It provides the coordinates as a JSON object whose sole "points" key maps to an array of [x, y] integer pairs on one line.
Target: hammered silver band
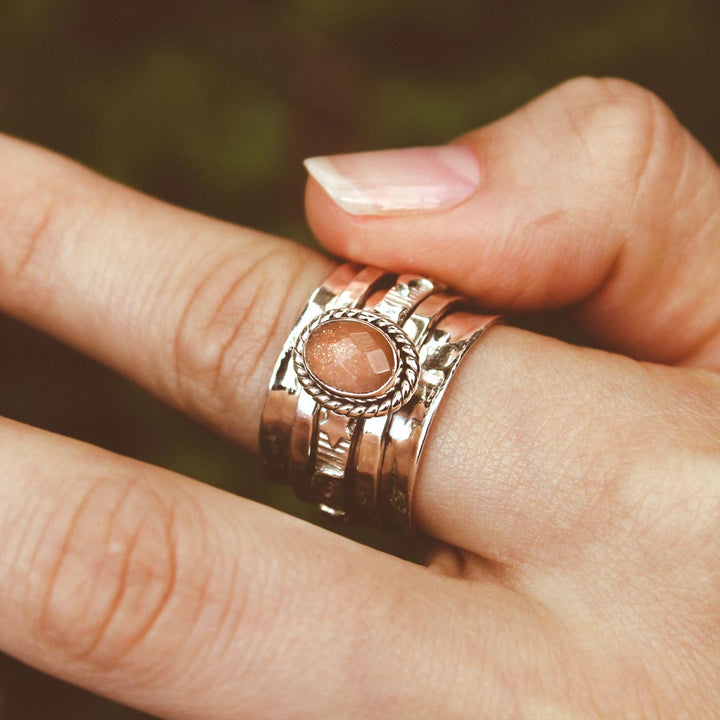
{"points": [[356, 452]]}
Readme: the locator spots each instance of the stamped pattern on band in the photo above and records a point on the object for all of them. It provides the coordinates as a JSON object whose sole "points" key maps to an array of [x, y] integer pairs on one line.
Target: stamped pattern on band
{"points": [[404, 296], [334, 444]]}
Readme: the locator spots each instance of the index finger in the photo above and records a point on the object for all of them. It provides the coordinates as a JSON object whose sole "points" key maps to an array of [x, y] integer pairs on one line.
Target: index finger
{"points": [[192, 308]]}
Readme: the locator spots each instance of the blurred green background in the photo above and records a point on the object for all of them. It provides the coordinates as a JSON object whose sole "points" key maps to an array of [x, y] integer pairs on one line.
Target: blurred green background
{"points": [[214, 105]]}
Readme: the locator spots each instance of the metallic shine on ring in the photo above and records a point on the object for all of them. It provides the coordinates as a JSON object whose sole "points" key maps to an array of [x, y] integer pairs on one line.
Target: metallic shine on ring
{"points": [[356, 387]]}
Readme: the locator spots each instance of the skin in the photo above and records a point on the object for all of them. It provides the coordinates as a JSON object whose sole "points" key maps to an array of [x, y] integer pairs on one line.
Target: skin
{"points": [[574, 493]]}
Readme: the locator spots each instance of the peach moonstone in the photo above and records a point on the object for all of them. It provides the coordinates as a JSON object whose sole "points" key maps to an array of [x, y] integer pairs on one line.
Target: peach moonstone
{"points": [[351, 357]]}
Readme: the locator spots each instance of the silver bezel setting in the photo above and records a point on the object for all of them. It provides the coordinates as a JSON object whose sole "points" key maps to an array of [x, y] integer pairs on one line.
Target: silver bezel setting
{"points": [[388, 398]]}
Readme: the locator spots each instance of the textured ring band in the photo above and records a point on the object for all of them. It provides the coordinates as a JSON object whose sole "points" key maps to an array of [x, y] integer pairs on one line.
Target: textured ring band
{"points": [[356, 387]]}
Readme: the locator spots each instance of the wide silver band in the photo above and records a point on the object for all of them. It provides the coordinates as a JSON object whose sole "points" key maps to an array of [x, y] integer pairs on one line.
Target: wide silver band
{"points": [[356, 456]]}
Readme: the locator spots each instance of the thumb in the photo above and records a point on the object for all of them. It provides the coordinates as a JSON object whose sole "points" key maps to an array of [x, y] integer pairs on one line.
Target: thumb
{"points": [[591, 196]]}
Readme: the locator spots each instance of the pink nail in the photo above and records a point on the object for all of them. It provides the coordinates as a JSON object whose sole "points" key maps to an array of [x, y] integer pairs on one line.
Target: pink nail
{"points": [[396, 182]]}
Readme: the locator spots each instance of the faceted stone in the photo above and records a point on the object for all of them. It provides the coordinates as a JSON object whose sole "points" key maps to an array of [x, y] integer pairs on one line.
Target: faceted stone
{"points": [[350, 356]]}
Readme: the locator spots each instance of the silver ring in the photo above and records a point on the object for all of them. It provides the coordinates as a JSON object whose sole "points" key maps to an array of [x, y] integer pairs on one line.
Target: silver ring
{"points": [[356, 387]]}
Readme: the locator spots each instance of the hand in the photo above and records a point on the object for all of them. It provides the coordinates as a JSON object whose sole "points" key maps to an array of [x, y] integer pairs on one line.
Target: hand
{"points": [[574, 493]]}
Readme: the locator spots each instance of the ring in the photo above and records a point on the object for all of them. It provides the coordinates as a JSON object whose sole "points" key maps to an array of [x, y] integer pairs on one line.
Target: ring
{"points": [[356, 387]]}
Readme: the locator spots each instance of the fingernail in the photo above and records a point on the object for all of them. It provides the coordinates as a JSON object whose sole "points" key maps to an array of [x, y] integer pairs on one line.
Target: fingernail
{"points": [[397, 182]]}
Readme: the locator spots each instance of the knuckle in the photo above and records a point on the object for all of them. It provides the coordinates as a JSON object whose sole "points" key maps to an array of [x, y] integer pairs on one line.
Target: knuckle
{"points": [[625, 130], [40, 208], [110, 574], [29, 217], [228, 323]]}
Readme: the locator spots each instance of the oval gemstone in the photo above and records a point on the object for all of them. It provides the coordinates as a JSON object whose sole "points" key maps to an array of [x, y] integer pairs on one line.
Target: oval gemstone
{"points": [[350, 357]]}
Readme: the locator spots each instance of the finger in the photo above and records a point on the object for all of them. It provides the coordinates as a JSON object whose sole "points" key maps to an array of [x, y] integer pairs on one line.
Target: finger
{"points": [[593, 195], [546, 454], [184, 601], [197, 311], [194, 309]]}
